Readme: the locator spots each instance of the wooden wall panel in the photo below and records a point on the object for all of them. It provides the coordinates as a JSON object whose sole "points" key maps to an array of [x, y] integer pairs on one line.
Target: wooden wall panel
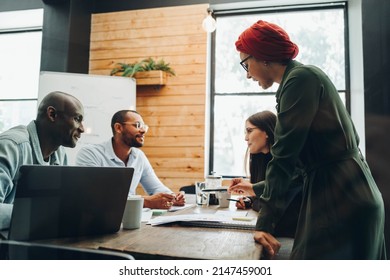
{"points": [[175, 112]]}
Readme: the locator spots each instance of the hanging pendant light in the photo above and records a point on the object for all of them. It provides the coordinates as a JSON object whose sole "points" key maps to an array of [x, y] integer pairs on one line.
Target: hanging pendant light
{"points": [[209, 24]]}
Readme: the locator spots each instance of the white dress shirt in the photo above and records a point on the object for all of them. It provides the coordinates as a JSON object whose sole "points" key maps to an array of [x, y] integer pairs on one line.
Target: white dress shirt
{"points": [[103, 155]]}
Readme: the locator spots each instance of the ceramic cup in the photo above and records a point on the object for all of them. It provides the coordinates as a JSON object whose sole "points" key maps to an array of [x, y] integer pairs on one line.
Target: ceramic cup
{"points": [[133, 212], [223, 199]]}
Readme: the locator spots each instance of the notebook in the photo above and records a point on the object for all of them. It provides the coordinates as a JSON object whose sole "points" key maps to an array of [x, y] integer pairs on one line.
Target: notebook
{"points": [[68, 201], [220, 224]]}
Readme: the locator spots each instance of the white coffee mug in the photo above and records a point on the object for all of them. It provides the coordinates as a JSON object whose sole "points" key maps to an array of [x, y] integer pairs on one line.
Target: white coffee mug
{"points": [[223, 199], [133, 212]]}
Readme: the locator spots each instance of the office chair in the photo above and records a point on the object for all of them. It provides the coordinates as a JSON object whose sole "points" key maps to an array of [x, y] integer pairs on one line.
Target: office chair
{"points": [[188, 189], [16, 250]]}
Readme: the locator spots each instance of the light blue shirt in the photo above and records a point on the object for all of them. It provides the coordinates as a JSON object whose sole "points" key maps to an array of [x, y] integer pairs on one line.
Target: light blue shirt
{"points": [[19, 146], [103, 155]]}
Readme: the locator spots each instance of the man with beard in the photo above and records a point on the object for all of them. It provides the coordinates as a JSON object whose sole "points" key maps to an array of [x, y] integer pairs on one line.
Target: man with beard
{"points": [[123, 150], [58, 123]]}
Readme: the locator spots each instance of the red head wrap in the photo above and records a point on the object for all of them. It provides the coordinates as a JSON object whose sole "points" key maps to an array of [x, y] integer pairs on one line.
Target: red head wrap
{"points": [[267, 41]]}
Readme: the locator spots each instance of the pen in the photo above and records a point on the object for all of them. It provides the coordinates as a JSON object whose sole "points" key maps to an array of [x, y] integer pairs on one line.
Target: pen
{"points": [[214, 190], [232, 199]]}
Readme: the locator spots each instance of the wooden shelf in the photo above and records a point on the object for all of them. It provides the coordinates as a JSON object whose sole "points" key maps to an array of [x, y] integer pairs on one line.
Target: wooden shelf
{"points": [[150, 78]]}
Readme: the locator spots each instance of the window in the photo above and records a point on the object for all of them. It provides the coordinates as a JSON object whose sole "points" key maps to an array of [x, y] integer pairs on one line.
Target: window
{"points": [[319, 32], [20, 56]]}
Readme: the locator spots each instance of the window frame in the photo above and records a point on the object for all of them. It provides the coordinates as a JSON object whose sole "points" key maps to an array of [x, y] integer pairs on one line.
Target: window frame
{"points": [[20, 30], [23, 21]]}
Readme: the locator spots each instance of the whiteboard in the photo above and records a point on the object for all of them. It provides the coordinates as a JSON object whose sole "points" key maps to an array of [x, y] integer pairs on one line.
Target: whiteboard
{"points": [[101, 97]]}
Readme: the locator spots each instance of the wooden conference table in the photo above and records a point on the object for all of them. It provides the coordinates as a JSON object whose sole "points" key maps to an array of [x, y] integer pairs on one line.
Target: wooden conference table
{"points": [[175, 241]]}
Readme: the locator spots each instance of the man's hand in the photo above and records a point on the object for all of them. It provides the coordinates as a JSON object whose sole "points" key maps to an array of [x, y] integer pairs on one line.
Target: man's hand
{"points": [[180, 199], [159, 201], [269, 243]]}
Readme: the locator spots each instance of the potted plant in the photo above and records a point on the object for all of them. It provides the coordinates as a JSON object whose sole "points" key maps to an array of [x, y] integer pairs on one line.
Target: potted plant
{"points": [[126, 69], [146, 72], [150, 65]]}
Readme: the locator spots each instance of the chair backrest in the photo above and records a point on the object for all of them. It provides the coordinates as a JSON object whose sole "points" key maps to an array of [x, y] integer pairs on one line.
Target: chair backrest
{"points": [[17, 250], [188, 189]]}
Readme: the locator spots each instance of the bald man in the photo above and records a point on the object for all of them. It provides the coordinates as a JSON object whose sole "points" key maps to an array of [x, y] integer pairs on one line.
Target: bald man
{"points": [[58, 123]]}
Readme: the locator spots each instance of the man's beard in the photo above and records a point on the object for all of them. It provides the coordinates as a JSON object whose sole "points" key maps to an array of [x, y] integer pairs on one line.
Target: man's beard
{"points": [[132, 142]]}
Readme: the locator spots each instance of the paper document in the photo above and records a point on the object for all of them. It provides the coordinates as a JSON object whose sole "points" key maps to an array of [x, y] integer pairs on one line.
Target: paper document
{"points": [[146, 215], [176, 208], [207, 220], [231, 214]]}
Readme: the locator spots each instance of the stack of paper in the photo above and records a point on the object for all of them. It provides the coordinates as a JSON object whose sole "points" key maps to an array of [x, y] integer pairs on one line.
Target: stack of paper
{"points": [[236, 220]]}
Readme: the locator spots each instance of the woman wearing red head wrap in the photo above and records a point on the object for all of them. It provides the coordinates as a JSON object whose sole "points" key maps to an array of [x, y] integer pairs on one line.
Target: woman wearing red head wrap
{"points": [[342, 213], [267, 42]]}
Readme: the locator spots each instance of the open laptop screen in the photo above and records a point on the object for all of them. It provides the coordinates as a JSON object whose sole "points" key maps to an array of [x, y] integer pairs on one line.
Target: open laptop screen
{"points": [[68, 201]]}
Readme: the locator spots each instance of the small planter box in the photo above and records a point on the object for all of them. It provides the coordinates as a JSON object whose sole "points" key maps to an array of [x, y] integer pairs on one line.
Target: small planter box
{"points": [[155, 77]]}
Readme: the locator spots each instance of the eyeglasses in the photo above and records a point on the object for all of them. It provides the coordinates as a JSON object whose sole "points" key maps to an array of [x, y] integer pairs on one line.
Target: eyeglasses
{"points": [[248, 130], [243, 64], [138, 125]]}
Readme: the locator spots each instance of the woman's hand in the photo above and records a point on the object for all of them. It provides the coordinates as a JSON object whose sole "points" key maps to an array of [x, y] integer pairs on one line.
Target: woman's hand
{"points": [[241, 186], [269, 243], [243, 203], [240, 204]]}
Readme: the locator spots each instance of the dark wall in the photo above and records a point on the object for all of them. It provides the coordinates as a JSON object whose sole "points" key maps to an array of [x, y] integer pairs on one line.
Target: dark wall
{"points": [[376, 58], [376, 44], [103, 6], [66, 31]]}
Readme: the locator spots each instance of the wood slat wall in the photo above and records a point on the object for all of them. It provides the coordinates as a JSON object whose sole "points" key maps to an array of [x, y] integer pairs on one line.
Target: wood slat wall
{"points": [[175, 112]]}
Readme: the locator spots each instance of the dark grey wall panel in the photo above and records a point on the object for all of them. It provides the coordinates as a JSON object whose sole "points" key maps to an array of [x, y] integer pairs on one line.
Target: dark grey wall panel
{"points": [[376, 59], [103, 6], [65, 43]]}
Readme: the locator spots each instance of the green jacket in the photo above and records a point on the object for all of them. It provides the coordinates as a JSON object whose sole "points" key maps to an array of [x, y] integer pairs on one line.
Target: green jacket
{"points": [[342, 214]]}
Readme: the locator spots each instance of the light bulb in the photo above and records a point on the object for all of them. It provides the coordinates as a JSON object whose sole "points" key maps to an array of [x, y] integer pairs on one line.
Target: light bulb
{"points": [[209, 24]]}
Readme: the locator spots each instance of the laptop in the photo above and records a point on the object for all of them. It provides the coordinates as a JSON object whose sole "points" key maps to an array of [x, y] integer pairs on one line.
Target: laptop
{"points": [[68, 201]]}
